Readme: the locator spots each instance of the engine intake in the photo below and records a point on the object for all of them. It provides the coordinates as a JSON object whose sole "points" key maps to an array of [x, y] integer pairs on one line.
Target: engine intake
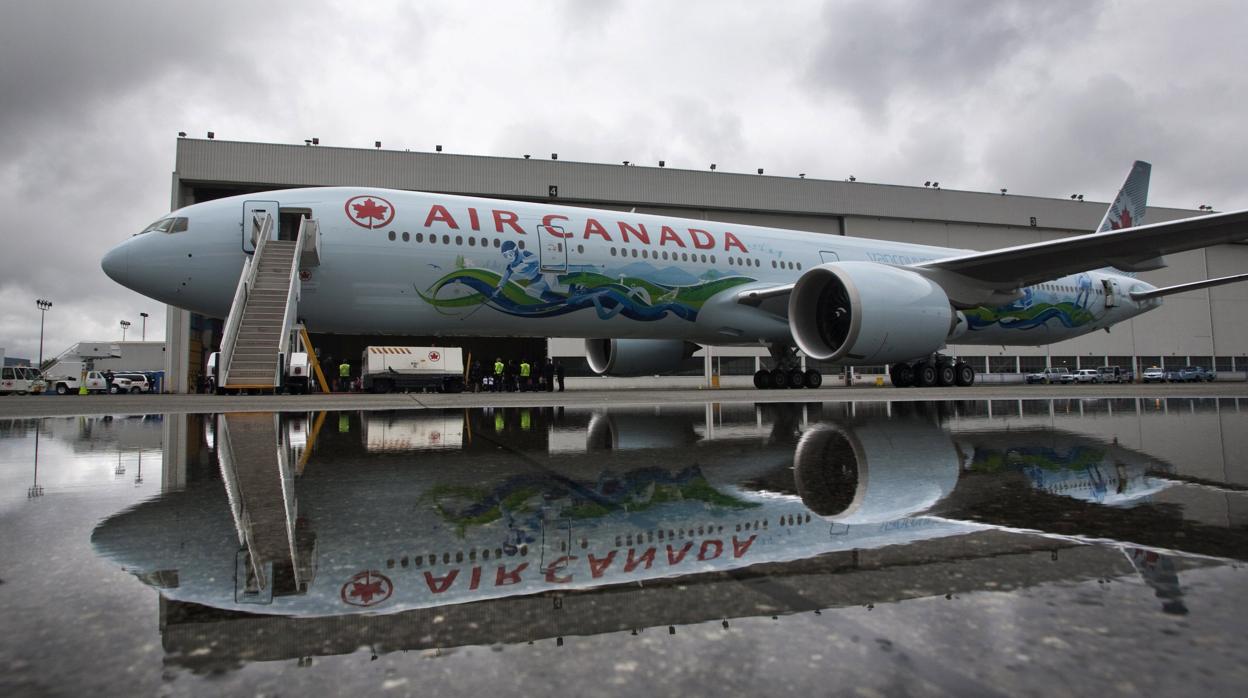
{"points": [[867, 313], [636, 357]]}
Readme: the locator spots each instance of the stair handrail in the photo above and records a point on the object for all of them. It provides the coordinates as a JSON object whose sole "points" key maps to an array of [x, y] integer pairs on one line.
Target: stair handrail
{"points": [[246, 280], [293, 291]]}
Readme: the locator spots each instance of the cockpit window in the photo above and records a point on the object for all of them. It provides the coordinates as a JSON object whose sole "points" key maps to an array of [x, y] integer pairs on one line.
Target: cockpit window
{"points": [[167, 225]]}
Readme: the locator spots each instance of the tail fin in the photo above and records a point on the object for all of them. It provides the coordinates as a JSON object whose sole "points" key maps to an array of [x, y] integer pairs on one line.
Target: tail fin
{"points": [[1128, 208]]}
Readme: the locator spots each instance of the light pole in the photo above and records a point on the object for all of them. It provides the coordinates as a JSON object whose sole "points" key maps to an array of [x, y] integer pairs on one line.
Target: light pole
{"points": [[43, 306], [125, 325], [144, 316]]}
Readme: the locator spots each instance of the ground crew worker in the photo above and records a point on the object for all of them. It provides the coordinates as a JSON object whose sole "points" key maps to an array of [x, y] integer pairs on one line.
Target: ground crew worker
{"points": [[344, 376], [498, 374], [525, 370], [559, 374]]}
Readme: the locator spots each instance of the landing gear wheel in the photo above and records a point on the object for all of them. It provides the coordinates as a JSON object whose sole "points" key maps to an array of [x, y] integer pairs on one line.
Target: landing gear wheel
{"points": [[925, 375], [762, 379], [965, 374], [945, 375], [814, 379], [902, 375], [796, 379]]}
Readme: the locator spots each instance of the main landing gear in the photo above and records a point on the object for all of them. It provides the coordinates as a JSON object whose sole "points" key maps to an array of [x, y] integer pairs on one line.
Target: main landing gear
{"points": [[935, 370], [788, 372]]}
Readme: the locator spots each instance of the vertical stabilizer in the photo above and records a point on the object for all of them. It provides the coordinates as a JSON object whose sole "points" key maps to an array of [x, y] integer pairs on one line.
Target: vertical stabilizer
{"points": [[1127, 210]]}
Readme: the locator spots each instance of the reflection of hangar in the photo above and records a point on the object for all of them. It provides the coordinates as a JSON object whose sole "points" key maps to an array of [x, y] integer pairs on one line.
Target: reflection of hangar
{"points": [[1198, 327]]}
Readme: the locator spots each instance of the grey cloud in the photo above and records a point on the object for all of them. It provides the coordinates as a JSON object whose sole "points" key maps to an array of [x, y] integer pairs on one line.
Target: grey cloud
{"points": [[871, 51]]}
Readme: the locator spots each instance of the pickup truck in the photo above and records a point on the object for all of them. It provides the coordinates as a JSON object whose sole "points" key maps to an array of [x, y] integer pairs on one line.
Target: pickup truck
{"points": [[1114, 374], [1060, 374], [1195, 374], [96, 383]]}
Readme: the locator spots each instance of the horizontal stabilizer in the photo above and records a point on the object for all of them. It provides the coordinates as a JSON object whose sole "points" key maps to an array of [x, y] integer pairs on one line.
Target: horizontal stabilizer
{"points": [[1194, 286], [1014, 267]]}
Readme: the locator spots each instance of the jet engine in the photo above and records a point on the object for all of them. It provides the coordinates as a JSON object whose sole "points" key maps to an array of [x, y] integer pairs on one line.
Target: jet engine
{"points": [[867, 313], [636, 357], [876, 472]]}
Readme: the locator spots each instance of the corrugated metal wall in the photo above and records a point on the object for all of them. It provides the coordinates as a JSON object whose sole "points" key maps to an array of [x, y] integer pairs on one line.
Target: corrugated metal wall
{"points": [[278, 165]]}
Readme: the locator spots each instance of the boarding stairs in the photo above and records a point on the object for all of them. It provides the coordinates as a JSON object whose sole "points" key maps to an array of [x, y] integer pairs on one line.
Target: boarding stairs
{"points": [[256, 339]]}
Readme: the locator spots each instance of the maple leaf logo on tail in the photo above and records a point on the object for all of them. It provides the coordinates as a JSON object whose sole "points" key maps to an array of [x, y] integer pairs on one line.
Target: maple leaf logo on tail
{"points": [[369, 211], [1128, 207], [1124, 221]]}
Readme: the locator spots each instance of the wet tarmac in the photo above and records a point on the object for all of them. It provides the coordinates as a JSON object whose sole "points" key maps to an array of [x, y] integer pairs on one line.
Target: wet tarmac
{"points": [[1068, 546]]}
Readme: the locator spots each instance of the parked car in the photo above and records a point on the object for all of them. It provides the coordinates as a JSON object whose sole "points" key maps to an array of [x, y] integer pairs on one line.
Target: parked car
{"points": [[1154, 374], [1195, 374], [138, 382], [1087, 375], [1059, 374], [1114, 374]]}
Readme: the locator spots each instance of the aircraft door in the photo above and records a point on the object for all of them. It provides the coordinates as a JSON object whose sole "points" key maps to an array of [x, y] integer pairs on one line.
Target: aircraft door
{"points": [[1111, 290], [252, 209], [557, 542], [552, 248], [829, 256]]}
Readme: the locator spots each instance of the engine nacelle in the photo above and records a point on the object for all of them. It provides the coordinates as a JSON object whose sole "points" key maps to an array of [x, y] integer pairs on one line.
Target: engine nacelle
{"points": [[876, 472], [636, 357], [867, 313]]}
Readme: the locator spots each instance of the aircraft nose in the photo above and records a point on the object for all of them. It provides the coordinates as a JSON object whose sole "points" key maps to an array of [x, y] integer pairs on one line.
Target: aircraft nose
{"points": [[116, 264]]}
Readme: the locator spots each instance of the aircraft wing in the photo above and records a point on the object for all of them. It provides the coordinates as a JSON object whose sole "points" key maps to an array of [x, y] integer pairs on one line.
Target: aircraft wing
{"points": [[1137, 248]]}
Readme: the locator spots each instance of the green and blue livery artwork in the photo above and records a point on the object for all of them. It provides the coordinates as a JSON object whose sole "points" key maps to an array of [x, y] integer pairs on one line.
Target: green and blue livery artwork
{"points": [[1036, 308], [525, 289]]}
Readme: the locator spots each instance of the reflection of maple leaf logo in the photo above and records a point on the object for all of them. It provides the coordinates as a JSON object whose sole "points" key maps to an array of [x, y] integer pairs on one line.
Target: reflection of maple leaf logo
{"points": [[366, 589], [370, 209]]}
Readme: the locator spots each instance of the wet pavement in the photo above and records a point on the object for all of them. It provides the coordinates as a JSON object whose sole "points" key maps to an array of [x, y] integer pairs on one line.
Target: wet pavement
{"points": [[995, 547]]}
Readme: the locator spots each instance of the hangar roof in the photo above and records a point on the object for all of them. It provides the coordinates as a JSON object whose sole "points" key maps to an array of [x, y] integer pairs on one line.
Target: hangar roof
{"points": [[276, 165]]}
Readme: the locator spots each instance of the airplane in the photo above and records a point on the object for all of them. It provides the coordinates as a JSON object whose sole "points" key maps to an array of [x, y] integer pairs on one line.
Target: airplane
{"points": [[645, 289]]}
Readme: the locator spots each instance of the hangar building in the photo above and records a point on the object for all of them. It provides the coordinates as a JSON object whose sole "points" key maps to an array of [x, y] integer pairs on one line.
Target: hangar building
{"points": [[1205, 327]]}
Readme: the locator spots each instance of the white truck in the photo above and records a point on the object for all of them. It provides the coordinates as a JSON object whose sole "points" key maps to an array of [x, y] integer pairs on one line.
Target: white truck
{"points": [[67, 382], [387, 369]]}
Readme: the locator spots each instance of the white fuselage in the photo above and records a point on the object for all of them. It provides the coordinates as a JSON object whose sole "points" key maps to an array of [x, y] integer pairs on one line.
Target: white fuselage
{"points": [[411, 263]]}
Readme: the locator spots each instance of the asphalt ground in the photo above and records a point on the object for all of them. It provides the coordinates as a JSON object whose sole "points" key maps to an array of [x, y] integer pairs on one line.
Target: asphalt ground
{"points": [[16, 406]]}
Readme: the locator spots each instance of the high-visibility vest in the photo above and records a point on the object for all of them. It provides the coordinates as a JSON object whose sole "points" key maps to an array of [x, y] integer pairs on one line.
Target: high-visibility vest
{"points": [[524, 369], [498, 368], [344, 370]]}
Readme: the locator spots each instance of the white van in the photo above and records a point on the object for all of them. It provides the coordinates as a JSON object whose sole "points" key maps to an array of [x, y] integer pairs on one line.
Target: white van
{"points": [[21, 380]]}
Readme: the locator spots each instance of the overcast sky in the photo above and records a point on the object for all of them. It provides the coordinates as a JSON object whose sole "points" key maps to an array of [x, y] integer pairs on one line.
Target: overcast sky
{"points": [[1045, 98]]}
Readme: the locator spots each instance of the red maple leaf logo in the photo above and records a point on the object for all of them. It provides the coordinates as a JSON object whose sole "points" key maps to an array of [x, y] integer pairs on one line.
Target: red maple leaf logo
{"points": [[1124, 220], [369, 211]]}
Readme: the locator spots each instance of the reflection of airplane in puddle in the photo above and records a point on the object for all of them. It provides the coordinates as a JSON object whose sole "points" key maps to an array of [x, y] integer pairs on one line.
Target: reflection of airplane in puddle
{"points": [[651, 496]]}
